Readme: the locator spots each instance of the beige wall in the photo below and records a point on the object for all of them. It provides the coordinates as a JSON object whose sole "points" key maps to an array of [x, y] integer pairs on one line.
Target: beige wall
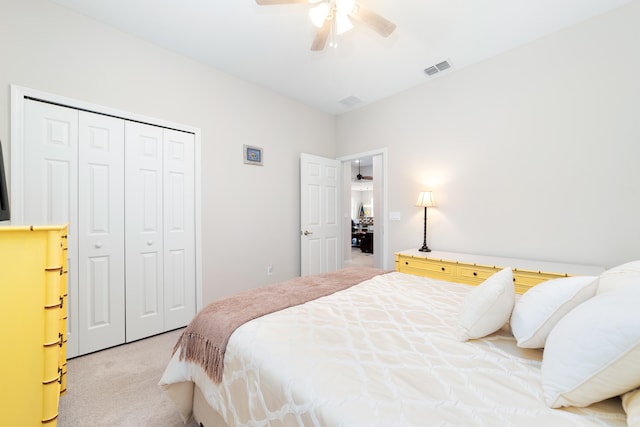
{"points": [[532, 154], [250, 214]]}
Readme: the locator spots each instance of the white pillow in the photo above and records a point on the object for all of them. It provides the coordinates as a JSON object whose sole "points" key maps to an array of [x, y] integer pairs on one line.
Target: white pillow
{"points": [[539, 309], [593, 353], [619, 276], [631, 405], [487, 307]]}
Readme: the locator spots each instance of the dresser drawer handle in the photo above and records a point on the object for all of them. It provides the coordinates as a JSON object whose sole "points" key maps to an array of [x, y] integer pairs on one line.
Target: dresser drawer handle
{"points": [[442, 268], [406, 263], [475, 274]]}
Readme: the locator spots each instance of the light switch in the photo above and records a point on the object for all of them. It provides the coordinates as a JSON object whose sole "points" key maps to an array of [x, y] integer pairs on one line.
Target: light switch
{"points": [[394, 216]]}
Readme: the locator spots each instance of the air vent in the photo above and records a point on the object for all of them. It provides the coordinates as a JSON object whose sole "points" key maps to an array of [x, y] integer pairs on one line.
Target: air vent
{"points": [[444, 65], [431, 71], [434, 69], [350, 101]]}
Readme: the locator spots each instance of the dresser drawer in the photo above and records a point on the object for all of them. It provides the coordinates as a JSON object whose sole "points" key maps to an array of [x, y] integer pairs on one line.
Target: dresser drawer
{"points": [[474, 274], [524, 280], [63, 379], [426, 267], [50, 400]]}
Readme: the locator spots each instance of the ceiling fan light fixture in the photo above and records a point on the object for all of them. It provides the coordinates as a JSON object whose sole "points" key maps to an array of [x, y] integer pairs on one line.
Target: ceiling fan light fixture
{"points": [[345, 7], [319, 14], [343, 24], [333, 17]]}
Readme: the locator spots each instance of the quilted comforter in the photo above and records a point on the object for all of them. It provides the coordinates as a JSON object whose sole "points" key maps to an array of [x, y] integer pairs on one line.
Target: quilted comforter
{"points": [[381, 353]]}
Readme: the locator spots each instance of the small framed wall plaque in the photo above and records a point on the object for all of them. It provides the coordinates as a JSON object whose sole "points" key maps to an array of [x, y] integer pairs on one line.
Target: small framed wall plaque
{"points": [[252, 155]]}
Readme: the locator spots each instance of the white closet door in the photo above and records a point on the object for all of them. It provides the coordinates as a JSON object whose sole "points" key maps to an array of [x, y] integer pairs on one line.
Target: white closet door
{"points": [[179, 229], [49, 175], [143, 230], [101, 232]]}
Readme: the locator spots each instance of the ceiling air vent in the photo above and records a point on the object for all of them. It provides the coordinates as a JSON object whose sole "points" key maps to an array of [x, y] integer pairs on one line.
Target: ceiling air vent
{"points": [[431, 71], [444, 65], [434, 69], [350, 101]]}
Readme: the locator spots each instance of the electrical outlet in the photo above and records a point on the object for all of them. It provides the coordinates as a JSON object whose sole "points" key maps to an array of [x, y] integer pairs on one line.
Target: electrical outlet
{"points": [[269, 270]]}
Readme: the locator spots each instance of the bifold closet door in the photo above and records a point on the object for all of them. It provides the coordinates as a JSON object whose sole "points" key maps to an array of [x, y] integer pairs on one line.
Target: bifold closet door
{"points": [[143, 225], [50, 186], [73, 166], [179, 229], [101, 232], [160, 229]]}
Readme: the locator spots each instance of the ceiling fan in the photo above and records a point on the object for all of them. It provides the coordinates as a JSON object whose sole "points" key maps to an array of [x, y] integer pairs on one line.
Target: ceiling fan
{"points": [[360, 177], [332, 18]]}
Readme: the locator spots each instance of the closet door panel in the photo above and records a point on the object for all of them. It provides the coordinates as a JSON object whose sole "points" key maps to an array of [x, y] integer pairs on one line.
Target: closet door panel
{"points": [[179, 228], [101, 286], [50, 185], [51, 133], [143, 230]]}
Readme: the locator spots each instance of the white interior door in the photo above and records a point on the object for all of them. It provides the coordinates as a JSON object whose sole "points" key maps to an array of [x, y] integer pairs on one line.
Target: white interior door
{"points": [[143, 230], [320, 247], [48, 173], [179, 229], [101, 232]]}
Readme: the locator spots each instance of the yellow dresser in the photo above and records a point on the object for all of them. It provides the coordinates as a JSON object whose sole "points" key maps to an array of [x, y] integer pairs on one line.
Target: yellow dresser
{"points": [[474, 269], [33, 287]]}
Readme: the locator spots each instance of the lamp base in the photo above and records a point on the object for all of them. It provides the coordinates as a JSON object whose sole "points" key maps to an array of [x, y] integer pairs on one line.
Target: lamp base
{"points": [[424, 249]]}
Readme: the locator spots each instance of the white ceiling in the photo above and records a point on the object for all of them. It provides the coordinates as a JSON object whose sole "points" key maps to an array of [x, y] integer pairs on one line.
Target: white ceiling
{"points": [[269, 45]]}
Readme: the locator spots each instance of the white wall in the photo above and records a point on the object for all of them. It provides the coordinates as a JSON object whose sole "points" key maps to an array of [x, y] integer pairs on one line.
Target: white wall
{"points": [[250, 214], [532, 154]]}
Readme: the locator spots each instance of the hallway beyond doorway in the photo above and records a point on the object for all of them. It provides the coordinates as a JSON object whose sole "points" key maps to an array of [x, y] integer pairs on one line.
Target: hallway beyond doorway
{"points": [[359, 259]]}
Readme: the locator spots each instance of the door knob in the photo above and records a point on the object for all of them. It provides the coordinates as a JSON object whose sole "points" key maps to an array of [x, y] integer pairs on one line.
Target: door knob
{"points": [[306, 233]]}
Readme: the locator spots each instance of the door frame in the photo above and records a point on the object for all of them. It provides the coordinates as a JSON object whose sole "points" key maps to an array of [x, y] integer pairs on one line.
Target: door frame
{"points": [[379, 232]]}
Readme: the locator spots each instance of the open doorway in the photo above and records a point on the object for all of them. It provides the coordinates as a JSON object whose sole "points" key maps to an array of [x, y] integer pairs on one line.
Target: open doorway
{"points": [[362, 212], [364, 209]]}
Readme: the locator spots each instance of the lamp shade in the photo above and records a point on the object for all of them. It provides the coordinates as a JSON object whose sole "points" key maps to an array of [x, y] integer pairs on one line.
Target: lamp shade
{"points": [[425, 198]]}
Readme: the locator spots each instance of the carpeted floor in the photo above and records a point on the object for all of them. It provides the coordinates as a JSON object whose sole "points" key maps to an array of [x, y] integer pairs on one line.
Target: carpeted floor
{"points": [[359, 258], [119, 387]]}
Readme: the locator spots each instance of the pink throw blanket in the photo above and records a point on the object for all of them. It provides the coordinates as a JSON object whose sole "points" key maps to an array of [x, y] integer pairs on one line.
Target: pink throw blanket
{"points": [[205, 339]]}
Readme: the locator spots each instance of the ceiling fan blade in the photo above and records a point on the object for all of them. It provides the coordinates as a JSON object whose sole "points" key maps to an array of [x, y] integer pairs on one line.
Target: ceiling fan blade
{"points": [[322, 35], [270, 2], [380, 25]]}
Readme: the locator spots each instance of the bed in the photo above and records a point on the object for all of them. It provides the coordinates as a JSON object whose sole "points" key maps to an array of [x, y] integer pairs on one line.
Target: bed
{"points": [[397, 349]]}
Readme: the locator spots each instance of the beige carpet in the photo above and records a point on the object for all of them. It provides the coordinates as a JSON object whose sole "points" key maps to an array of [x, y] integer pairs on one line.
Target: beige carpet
{"points": [[119, 386]]}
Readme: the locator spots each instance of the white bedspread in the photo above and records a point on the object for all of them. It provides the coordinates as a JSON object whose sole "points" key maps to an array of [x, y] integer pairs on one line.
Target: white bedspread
{"points": [[382, 353]]}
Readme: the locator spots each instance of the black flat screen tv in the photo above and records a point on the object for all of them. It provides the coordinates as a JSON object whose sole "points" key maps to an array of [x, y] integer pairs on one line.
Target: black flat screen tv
{"points": [[4, 196]]}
